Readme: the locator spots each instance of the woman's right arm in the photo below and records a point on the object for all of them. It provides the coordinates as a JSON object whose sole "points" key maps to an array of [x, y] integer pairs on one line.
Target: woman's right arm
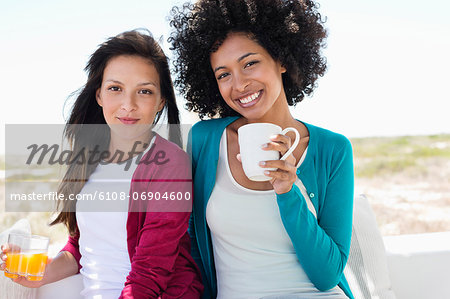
{"points": [[60, 267]]}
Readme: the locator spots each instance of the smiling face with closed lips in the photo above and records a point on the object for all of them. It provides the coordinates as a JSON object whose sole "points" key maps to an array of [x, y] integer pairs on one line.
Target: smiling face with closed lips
{"points": [[249, 79], [130, 96]]}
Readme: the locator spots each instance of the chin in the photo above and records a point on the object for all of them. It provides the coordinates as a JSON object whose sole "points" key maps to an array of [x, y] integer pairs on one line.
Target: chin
{"points": [[252, 115]]}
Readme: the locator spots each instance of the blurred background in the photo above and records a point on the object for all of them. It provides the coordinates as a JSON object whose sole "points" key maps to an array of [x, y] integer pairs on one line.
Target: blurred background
{"points": [[385, 89]]}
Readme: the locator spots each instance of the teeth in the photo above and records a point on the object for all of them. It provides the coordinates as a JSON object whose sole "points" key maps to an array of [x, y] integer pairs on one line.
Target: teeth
{"points": [[249, 98]]}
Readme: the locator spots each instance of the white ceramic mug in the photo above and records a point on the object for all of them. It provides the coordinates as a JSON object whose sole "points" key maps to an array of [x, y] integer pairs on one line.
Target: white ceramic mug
{"points": [[251, 138]]}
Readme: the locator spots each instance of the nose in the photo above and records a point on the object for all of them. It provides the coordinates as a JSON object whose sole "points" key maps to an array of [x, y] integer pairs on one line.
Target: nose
{"points": [[128, 103], [240, 82]]}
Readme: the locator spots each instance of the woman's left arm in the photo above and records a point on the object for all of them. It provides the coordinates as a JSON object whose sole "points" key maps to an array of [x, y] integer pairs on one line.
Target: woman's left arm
{"points": [[322, 245], [155, 259], [161, 259]]}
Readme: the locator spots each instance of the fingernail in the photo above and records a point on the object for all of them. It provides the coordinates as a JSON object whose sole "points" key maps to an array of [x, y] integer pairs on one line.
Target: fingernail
{"points": [[264, 145], [262, 163], [266, 172], [273, 137]]}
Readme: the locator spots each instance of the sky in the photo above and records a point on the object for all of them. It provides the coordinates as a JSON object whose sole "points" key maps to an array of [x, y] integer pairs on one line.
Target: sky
{"points": [[388, 61]]}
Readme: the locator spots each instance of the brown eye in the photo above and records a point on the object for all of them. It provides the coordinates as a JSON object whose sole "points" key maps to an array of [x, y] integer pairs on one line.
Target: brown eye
{"points": [[251, 63], [221, 76], [114, 88], [146, 91]]}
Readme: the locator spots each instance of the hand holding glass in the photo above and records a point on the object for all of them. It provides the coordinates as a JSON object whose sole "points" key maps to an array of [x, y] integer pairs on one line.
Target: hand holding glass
{"points": [[26, 256]]}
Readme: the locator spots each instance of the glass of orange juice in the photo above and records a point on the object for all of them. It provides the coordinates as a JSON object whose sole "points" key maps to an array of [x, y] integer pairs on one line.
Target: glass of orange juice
{"points": [[27, 256]]}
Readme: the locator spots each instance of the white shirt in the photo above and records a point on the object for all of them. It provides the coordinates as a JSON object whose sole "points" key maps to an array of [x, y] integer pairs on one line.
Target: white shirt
{"points": [[253, 254], [103, 236]]}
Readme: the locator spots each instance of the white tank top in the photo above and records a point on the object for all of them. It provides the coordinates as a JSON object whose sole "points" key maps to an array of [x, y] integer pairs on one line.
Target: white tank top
{"points": [[103, 235], [253, 254]]}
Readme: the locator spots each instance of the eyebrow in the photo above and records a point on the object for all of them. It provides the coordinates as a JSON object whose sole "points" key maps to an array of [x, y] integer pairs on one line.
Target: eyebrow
{"points": [[140, 84], [239, 60]]}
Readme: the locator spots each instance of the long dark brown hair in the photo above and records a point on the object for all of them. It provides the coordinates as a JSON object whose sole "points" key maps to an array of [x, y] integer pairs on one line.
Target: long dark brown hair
{"points": [[86, 110]]}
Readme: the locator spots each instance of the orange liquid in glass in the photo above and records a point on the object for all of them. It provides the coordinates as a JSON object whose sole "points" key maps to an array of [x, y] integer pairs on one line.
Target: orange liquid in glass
{"points": [[28, 264]]}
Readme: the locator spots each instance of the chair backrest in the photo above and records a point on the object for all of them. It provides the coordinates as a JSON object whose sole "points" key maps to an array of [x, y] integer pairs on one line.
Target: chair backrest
{"points": [[367, 271]]}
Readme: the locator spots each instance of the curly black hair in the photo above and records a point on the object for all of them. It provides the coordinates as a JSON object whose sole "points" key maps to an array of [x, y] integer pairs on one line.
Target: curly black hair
{"points": [[291, 31]]}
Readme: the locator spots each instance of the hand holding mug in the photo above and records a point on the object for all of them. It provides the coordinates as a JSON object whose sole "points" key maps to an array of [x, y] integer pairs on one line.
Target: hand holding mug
{"points": [[261, 145], [283, 171]]}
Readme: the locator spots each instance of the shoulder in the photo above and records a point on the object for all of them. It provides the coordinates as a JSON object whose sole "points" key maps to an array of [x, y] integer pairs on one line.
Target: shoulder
{"points": [[211, 125], [328, 140], [208, 132], [165, 167], [163, 156], [169, 150]]}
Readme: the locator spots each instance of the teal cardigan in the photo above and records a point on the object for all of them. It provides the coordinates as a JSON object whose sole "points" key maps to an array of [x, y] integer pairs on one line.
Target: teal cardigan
{"points": [[322, 245]]}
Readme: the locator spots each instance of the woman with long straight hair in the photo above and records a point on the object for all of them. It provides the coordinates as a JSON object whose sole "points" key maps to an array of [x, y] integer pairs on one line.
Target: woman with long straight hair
{"points": [[124, 245]]}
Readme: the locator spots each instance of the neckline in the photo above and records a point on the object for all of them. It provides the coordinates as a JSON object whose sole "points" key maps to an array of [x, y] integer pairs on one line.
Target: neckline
{"points": [[133, 159]]}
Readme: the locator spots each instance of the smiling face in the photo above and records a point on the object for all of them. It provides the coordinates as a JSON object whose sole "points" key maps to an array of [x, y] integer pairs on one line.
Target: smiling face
{"points": [[130, 96], [249, 79]]}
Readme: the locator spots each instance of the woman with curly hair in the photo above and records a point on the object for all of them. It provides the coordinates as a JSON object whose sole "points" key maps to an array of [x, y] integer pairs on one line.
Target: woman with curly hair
{"points": [[242, 62]]}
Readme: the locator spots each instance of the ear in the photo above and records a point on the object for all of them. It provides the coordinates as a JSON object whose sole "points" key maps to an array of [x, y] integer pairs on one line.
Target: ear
{"points": [[282, 69], [98, 98], [161, 104]]}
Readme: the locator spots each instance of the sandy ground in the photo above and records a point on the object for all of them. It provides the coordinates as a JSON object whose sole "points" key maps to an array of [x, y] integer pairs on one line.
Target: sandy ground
{"points": [[405, 204]]}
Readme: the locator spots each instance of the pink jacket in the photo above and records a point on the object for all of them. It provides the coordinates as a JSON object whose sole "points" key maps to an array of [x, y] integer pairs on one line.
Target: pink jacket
{"points": [[158, 242]]}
